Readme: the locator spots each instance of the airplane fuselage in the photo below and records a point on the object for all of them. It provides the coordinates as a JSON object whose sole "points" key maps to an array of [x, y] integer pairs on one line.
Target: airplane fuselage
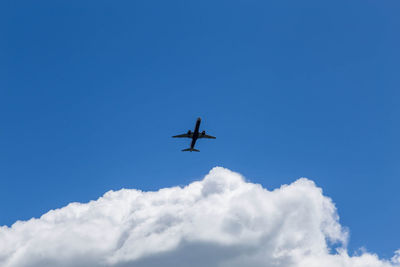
{"points": [[195, 133]]}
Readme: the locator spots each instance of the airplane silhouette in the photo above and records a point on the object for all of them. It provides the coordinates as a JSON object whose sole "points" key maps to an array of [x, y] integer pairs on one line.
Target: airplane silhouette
{"points": [[194, 136]]}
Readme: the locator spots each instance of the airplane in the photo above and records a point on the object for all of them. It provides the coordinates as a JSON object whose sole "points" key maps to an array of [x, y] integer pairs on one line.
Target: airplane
{"points": [[194, 136]]}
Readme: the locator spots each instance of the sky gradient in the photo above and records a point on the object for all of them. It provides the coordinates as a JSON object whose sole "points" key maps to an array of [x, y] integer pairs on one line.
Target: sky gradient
{"points": [[91, 93]]}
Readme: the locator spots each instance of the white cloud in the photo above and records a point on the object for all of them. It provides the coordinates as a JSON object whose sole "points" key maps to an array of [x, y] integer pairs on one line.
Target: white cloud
{"points": [[219, 221]]}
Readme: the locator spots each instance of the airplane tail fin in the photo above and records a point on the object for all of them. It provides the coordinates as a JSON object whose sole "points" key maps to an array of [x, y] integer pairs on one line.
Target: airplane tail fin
{"points": [[191, 149]]}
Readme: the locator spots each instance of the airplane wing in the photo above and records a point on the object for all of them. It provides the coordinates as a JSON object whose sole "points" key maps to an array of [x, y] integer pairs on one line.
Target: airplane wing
{"points": [[206, 136], [183, 135]]}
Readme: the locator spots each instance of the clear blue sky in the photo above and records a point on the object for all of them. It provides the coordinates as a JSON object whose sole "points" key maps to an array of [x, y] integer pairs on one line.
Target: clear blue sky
{"points": [[91, 92]]}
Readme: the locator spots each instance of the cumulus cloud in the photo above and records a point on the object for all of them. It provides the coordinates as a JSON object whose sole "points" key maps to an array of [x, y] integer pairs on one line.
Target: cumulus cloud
{"points": [[219, 221]]}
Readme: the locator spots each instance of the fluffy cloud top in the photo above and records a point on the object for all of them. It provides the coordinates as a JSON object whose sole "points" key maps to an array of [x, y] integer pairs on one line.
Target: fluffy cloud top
{"points": [[219, 221]]}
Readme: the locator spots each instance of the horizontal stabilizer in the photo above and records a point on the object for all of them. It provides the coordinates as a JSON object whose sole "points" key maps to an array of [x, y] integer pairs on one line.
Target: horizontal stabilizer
{"points": [[191, 149]]}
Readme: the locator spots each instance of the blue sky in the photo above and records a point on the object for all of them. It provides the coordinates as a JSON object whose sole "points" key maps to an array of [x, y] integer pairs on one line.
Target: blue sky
{"points": [[90, 93]]}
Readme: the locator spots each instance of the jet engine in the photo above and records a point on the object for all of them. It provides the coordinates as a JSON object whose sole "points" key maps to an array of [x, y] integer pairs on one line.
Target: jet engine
{"points": [[189, 132], [203, 133]]}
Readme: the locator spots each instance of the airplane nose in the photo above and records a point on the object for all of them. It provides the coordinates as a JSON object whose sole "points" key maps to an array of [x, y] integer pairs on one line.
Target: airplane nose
{"points": [[199, 119]]}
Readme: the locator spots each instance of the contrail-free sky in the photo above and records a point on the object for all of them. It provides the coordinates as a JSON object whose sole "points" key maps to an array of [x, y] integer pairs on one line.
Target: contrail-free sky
{"points": [[92, 91]]}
